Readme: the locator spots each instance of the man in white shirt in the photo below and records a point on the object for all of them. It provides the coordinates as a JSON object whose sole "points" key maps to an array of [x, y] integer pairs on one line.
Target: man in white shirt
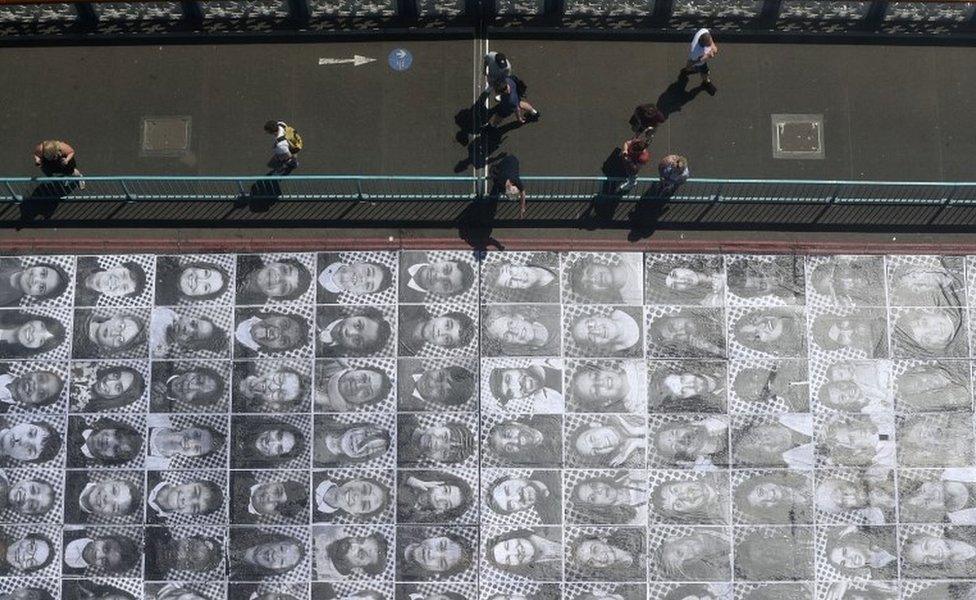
{"points": [[703, 47]]}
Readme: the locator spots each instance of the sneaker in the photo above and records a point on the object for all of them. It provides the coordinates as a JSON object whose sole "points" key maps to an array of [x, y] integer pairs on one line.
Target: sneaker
{"points": [[710, 88], [535, 116]]}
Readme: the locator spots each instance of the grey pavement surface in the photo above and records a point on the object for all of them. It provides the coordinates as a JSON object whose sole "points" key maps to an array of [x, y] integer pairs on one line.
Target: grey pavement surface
{"points": [[890, 112]]}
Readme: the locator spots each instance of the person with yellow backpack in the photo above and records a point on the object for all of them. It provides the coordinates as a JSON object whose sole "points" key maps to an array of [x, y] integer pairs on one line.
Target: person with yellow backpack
{"points": [[287, 144]]}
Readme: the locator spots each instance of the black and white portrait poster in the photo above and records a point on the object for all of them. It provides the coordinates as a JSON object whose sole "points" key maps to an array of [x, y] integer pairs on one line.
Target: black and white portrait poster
{"points": [[373, 424]]}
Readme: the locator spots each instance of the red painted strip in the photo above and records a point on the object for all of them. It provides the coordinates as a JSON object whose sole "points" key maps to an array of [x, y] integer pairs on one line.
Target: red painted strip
{"points": [[80, 245]]}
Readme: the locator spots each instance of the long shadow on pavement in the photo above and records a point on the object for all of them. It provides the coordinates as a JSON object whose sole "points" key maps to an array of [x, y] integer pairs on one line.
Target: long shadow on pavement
{"points": [[646, 214], [603, 206], [676, 95]]}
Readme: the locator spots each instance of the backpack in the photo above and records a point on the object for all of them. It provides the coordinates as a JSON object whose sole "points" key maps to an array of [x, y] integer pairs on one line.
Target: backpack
{"points": [[294, 140], [520, 87], [646, 115]]}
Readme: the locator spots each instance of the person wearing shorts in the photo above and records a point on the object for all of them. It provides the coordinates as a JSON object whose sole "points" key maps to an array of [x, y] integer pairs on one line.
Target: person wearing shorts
{"points": [[511, 104], [703, 47], [57, 159]]}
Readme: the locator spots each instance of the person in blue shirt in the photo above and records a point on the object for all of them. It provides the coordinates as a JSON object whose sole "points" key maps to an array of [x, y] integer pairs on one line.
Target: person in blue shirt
{"points": [[511, 103]]}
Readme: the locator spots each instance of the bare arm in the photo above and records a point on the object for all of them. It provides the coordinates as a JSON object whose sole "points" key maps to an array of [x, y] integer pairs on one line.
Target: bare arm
{"points": [[420, 484], [631, 429], [630, 446]]}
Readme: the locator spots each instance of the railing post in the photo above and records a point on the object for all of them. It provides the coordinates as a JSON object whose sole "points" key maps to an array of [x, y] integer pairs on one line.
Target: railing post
{"points": [[125, 190], [87, 17], [359, 189], [769, 13], [554, 9], [662, 11], [716, 199], [407, 10], [299, 12], [484, 10], [875, 16], [945, 203], [17, 198], [830, 202], [192, 13]]}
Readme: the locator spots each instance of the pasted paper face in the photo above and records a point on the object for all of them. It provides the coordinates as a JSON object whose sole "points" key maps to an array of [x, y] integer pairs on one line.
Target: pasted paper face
{"points": [[422, 425]]}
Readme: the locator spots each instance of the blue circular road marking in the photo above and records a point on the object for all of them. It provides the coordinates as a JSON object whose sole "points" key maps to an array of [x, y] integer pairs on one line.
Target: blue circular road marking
{"points": [[400, 59]]}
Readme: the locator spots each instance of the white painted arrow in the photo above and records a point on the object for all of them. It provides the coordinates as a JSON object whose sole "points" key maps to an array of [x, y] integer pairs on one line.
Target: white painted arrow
{"points": [[356, 60]]}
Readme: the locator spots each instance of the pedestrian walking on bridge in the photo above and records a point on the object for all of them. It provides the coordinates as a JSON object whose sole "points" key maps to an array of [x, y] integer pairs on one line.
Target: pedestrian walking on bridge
{"points": [[703, 48], [497, 68], [635, 155], [506, 181], [512, 92], [287, 144]]}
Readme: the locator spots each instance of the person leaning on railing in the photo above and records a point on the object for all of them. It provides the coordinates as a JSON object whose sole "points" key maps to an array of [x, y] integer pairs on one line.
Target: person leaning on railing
{"points": [[673, 170], [57, 158], [505, 181]]}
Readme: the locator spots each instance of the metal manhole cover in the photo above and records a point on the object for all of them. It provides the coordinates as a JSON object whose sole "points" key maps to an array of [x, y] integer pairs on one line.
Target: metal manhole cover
{"points": [[165, 136], [798, 136]]}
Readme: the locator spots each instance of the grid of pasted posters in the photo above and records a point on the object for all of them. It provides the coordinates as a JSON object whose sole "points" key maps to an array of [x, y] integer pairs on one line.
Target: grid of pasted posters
{"points": [[425, 425]]}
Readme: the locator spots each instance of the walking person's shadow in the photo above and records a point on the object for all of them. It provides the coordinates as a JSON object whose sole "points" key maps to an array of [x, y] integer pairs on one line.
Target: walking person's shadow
{"points": [[476, 223], [646, 215], [603, 205], [469, 120], [263, 193], [488, 141], [677, 95], [480, 141]]}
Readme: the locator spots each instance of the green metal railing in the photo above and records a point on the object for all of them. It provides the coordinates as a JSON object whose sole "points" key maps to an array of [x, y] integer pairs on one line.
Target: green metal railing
{"points": [[389, 188]]}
